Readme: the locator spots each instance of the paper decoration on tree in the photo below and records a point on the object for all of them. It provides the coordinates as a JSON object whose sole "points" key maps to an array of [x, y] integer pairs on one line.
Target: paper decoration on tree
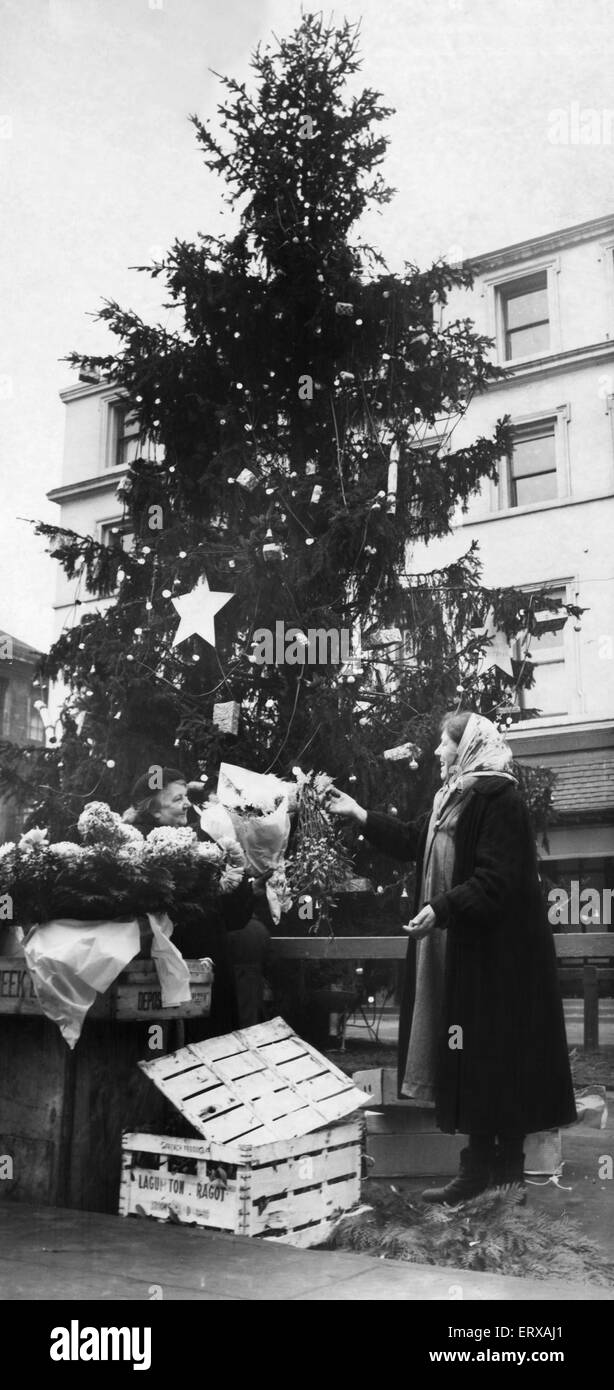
{"points": [[404, 752], [197, 611], [247, 479], [271, 549], [498, 652], [226, 717]]}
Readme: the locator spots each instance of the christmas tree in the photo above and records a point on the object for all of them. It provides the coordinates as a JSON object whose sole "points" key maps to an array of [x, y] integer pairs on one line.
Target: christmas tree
{"points": [[297, 428]]}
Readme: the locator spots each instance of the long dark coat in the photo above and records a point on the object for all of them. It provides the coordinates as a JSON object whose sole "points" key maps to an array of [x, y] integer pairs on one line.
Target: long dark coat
{"points": [[205, 934], [511, 1075]]}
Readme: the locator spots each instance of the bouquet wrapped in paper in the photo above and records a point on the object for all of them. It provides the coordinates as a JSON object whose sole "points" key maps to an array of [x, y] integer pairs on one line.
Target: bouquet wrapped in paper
{"points": [[258, 808]]}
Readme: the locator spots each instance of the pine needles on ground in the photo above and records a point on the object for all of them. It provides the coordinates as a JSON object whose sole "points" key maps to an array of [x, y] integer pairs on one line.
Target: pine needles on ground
{"points": [[494, 1233]]}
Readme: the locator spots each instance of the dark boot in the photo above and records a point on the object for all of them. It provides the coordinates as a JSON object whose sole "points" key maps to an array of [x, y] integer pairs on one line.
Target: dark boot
{"points": [[475, 1176], [509, 1165]]}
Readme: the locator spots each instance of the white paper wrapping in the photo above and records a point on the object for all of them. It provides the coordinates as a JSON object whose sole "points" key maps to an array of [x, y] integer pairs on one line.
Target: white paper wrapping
{"points": [[71, 961], [264, 837]]}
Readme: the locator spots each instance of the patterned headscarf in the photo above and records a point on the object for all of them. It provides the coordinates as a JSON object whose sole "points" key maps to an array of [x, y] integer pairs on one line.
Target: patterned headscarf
{"points": [[482, 753]]}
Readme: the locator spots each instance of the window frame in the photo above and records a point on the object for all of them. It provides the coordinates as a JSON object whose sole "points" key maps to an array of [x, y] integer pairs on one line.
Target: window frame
{"points": [[494, 291], [121, 412], [545, 429], [502, 491], [607, 255], [513, 290], [569, 658], [113, 406], [106, 526]]}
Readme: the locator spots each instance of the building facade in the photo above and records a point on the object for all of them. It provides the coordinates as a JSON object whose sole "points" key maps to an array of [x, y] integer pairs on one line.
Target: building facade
{"points": [[548, 304], [100, 440], [20, 718]]}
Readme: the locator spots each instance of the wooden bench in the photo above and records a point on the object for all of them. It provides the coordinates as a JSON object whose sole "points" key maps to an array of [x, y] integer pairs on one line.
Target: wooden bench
{"points": [[583, 949]]}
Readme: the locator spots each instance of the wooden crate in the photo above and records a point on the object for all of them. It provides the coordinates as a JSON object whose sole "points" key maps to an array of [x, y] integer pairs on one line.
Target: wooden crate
{"points": [[135, 995], [292, 1191], [62, 1113], [274, 1115]]}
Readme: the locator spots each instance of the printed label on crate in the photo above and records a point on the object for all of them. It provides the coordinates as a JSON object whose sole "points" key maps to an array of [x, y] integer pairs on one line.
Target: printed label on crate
{"points": [[185, 1197], [145, 999], [17, 990], [135, 994]]}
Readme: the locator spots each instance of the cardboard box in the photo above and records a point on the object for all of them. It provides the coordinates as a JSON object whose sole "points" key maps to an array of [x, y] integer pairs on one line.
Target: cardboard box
{"points": [[403, 1139]]}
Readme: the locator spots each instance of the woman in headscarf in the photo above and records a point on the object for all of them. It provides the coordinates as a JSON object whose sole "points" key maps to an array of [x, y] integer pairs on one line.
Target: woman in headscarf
{"points": [[202, 932], [481, 1032]]}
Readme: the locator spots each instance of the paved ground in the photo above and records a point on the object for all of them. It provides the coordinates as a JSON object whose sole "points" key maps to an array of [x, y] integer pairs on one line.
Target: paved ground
{"points": [[48, 1254], [581, 1192]]}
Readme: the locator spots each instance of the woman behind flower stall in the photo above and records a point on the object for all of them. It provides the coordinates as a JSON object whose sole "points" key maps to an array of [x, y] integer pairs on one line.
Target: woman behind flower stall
{"points": [[481, 1031], [204, 934]]}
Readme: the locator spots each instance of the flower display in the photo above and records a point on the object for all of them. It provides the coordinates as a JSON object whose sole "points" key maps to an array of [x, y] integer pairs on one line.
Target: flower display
{"points": [[66, 852], [115, 872], [318, 863], [131, 837], [99, 825], [235, 864], [257, 807], [208, 850], [34, 841], [307, 858], [277, 884], [170, 839]]}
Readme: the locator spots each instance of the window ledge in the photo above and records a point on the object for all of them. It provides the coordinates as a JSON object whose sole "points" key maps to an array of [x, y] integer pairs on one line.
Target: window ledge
{"points": [[550, 505], [557, 733], [100, 482], [550, 362]]}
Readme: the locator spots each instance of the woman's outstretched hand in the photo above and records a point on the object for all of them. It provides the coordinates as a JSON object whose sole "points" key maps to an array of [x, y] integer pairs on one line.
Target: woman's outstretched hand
{"points": [[340, 804], [423, 923]]}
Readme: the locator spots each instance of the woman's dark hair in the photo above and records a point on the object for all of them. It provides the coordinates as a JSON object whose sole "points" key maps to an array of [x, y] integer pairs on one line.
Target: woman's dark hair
{"points": [[454, 724], [143, 797]]}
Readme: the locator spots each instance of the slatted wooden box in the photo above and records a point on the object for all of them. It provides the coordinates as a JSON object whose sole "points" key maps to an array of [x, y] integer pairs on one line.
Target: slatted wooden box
{"points": [[134, 996], [280, 1152]]}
